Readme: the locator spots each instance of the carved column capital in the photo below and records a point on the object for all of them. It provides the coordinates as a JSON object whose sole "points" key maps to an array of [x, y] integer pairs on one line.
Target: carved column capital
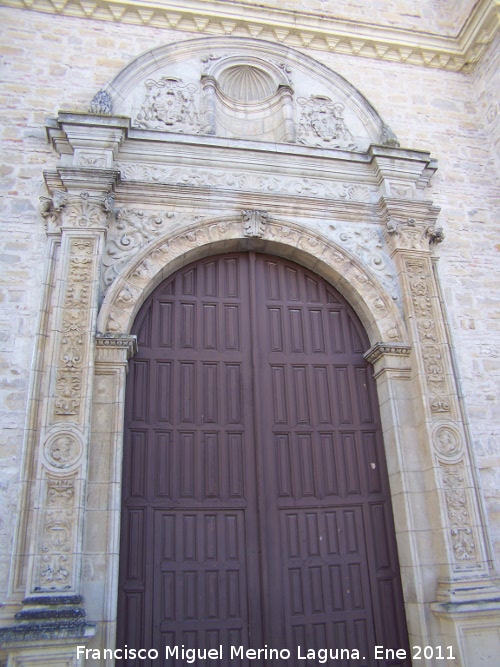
{"points": [[381, 349], [87, 210], [51, 209], [112, 348], [410, 234]]}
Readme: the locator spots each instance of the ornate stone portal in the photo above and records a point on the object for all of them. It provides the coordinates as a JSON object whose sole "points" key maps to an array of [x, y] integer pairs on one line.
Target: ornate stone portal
{"points": [[220, 145]]}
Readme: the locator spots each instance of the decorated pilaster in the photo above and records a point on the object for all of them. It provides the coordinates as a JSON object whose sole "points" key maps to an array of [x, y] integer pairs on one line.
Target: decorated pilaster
{"points": [[64, 437], [77, 215], [466, 580]]}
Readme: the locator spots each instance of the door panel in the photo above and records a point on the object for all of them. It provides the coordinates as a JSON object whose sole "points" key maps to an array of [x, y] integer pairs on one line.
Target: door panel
{"points": [[256, 507]]}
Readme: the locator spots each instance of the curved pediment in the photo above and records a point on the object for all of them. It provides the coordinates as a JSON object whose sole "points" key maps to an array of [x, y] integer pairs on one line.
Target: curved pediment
{"points": [[243, 89]]}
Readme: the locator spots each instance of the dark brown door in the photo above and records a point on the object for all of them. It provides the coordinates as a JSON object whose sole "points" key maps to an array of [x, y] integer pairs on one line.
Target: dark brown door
{"points": [[256, 511]]}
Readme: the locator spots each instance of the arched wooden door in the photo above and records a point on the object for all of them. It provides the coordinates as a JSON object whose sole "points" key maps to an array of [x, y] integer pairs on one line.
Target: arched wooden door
{"points": [[256, 510]]}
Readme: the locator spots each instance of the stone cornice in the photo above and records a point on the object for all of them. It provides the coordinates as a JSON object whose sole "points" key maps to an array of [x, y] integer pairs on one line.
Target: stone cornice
{"points": [[299, 29]]}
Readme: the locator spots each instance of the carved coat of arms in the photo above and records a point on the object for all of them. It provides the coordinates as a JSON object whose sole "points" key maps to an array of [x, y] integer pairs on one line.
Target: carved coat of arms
{"points": [[322, 124], [169, 106]]}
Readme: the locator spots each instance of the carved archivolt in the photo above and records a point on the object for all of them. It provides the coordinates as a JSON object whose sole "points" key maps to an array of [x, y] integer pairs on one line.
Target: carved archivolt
{"points": [[147, 267]]}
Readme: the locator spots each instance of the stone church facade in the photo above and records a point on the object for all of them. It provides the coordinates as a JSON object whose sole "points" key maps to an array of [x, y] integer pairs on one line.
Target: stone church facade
{"points": [[358, 154]]}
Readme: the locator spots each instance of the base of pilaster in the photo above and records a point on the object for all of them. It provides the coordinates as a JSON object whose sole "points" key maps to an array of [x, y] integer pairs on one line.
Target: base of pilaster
{"points": [[45, 632], [469, 614]]}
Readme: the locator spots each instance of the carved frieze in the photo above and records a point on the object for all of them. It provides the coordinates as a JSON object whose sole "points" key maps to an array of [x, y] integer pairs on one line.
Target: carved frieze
{"points": [[250, 182], [321, 123], [169, 105]]}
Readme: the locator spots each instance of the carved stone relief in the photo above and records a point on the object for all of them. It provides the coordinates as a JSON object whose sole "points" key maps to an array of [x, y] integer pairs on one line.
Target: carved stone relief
{"points": [[412, 235], [254, 223], [50, 209], [322, 123], [63, 450], [120, 300], [132, 230], [250, 181], [101, 104], [447, 441], [366, 242], [462, 537], [58, 525], [411, 240], [432, 352], [169, 105], [71, 359]]}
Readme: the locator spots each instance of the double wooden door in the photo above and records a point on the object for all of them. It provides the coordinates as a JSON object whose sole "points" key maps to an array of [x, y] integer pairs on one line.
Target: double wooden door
{"points": [[255, 509]]}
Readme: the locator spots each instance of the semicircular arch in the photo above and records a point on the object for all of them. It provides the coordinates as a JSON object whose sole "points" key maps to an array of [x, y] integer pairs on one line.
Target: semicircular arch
{"points": [[374, 306], [193, 58]]}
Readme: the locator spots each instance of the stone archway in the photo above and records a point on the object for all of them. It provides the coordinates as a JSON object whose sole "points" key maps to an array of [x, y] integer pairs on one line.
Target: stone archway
{"points": [[255, 501], [133, 199]]}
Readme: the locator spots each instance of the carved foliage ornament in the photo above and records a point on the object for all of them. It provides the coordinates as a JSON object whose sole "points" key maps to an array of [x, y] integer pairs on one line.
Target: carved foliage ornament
{"points": [[74, 327], [464, 547], [250, 182], [80, 212], [254, 222], [433, 353], [132, 230], [169, 106], [57, 534], [322, 123]]}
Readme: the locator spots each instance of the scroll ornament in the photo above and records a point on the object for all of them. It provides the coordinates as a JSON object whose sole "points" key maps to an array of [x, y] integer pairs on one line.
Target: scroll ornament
{"points": [[130, 232]]}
